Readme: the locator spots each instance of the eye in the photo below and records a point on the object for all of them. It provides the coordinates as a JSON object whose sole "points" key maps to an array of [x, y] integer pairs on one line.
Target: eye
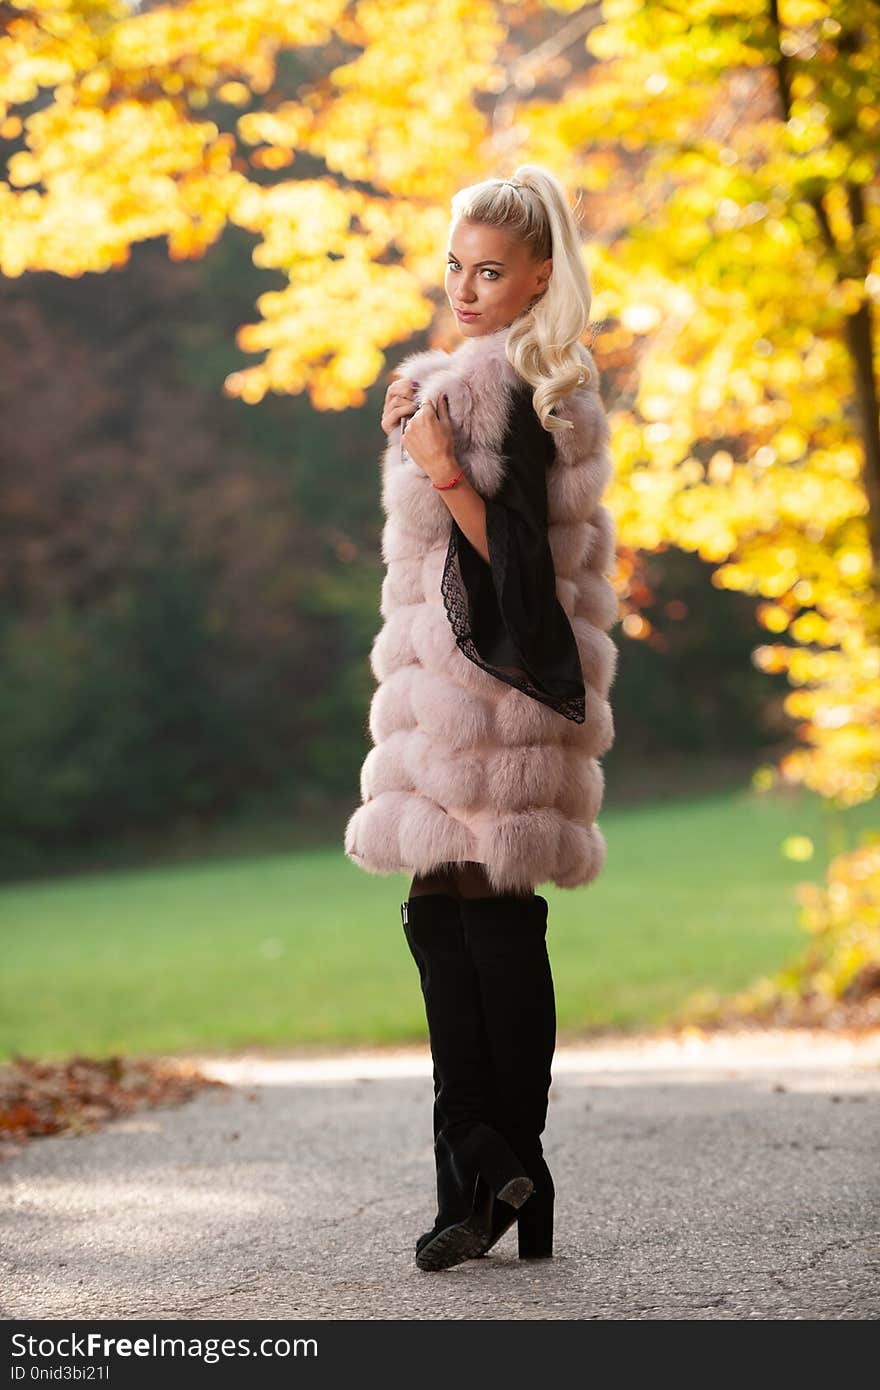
{"points": [[487, 270]]}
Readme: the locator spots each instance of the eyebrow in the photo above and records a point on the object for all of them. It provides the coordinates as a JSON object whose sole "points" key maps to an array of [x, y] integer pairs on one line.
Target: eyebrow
{"points": [[455, 258]]}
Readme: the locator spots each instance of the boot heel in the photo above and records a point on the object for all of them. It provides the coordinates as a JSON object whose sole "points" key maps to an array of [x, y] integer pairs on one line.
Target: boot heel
{"points": [[535, 1227]]}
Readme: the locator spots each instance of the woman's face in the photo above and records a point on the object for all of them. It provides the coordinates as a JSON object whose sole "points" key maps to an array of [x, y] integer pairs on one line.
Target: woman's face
{"points": [[491, 276]]}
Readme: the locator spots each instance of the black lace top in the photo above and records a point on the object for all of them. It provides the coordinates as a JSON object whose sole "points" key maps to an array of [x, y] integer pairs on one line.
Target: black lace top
{"points": [[506, 615]]}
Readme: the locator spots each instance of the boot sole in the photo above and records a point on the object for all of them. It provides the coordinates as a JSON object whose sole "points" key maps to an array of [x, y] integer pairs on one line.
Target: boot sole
{"points": [[464, 1241], [451, 1247]]}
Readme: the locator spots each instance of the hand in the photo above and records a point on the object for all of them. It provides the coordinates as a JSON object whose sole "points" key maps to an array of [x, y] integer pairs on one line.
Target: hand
{"points": [[428, 441], [399, 403]]}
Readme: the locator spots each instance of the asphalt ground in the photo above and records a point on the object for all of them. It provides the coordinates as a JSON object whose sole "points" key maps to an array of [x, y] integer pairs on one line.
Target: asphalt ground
{"points": [[722, 1176]]}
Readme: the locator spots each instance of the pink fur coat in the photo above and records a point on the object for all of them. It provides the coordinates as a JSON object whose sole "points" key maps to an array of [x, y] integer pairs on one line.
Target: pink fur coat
{"points": [[464, 766]]}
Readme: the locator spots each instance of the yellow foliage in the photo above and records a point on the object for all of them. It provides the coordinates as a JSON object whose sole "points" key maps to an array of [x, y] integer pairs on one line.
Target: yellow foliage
{"points": [[736, 243], [843, 919], [798, 847]]}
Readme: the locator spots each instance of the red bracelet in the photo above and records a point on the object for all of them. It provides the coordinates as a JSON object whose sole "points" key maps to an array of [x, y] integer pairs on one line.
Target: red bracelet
{"points": [[441, 486]]}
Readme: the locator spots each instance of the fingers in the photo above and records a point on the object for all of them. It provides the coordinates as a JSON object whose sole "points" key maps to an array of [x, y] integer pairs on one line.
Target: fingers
{"points": [[402, 388], [395, 412], [405, 408], [400, 404]]}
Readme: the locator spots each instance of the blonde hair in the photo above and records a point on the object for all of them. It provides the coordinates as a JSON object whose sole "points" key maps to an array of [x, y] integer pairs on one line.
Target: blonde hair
{"points": [[544, 343]]}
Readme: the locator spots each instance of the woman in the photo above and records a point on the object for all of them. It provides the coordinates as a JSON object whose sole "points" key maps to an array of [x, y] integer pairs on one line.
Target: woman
{"points": [[494, 665]]}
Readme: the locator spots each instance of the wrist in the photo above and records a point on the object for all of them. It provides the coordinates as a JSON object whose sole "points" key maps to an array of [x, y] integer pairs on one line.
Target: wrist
{"points": [[447, 471]]}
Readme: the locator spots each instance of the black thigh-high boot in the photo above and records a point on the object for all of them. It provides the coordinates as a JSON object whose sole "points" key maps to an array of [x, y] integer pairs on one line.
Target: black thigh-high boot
{"points": [[475, 1164], [506, 940]]}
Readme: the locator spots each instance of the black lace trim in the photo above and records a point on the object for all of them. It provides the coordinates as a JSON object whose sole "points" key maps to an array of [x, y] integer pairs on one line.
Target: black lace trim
{"points": [[457, 605]]}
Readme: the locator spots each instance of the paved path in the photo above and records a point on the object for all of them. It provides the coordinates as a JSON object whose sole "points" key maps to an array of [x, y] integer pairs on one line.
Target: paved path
{"points": [[727, 1177]]}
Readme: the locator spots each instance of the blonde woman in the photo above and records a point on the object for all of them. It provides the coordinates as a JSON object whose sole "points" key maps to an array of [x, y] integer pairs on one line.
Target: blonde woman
{"points": [[493, 667]]}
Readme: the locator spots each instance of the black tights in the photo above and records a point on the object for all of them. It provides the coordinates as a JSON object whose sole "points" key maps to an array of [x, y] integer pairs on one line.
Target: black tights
{"points": [[458, 880]]}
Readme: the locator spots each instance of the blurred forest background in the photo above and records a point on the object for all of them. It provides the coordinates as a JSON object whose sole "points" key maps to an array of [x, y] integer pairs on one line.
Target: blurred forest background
{"points": [[191, 587], [189, 542]]}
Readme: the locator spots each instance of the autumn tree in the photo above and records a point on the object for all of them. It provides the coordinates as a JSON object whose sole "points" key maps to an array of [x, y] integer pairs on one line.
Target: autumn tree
{"points": [[741, 145], [726, 157]]}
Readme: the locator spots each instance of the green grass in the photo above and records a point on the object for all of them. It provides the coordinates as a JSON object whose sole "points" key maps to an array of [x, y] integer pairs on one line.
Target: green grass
{"points": [[302, 948]]}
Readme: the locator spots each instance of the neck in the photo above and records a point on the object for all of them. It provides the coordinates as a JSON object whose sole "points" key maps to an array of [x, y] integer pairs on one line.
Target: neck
{"points": [[495, 339]]}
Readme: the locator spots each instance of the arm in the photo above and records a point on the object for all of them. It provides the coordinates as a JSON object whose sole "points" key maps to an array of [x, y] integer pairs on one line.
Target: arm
{"points": [[468, 509], [427, 438]]}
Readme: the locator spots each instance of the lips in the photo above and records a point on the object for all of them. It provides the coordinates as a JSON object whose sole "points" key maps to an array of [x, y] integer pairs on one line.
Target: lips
{"points": [[467, 313]]}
